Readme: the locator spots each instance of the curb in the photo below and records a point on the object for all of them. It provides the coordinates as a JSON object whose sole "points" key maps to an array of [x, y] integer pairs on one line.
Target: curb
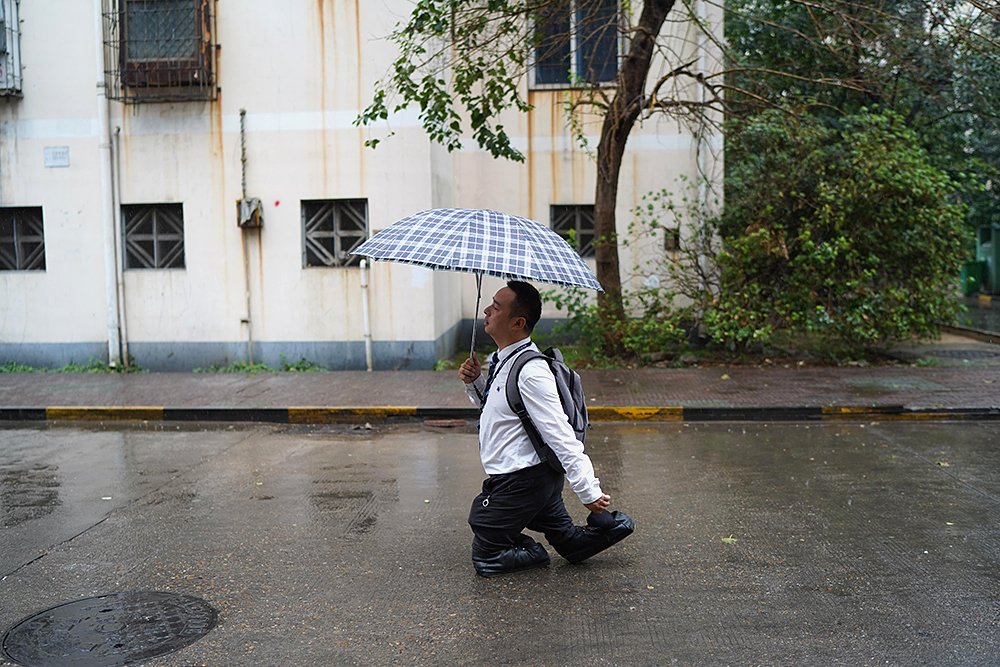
{"points": [[389, 415], [980, 335]]}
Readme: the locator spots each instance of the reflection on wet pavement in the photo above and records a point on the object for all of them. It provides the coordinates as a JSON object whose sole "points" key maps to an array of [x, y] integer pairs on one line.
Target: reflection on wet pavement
{"points": [[812, 544]]}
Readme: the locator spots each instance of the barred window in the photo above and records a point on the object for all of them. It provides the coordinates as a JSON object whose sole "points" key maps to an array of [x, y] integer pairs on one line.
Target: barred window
{"points": [[154, 236], [160, 49], [22, 241], [575, 223], [577, 42], [671, 239], [331, 229]]}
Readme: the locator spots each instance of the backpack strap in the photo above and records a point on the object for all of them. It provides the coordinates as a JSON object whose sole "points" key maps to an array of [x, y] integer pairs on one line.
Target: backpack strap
{"points": [[516, 404]]}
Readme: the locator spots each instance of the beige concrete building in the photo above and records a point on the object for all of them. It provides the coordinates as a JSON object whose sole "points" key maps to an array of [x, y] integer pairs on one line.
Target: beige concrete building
{"points": [[128, 129]]}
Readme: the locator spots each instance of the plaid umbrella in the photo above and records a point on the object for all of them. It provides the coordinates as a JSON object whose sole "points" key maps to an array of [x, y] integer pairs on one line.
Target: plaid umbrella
{"points": [[483, 242]]}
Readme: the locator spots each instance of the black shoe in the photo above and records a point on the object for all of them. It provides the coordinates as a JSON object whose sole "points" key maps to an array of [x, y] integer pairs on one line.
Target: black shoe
{"points": [[593, 540], [526, 556]]}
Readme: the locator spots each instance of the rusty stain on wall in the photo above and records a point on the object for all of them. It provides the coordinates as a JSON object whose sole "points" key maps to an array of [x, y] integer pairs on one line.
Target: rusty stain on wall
{"points": [[360, 101], [323, 16]]}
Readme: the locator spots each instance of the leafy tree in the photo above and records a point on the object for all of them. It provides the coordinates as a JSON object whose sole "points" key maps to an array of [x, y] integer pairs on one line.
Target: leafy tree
{"points": [[852, 236], [463, 63], [936, 64]]}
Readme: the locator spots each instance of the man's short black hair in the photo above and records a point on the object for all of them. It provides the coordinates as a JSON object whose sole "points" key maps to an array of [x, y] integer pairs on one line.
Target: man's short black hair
{"points": [[527, 303]]}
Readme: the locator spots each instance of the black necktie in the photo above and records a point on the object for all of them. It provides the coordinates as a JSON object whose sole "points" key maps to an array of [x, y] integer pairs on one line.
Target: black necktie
{"points": [[489, 380]]}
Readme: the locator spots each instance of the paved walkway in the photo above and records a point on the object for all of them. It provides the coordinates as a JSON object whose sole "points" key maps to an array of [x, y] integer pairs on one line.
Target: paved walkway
{"points": [[956, 377]]}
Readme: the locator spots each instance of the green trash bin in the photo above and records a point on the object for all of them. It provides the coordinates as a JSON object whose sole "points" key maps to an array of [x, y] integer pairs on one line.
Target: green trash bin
{"points": [[972, 277]]}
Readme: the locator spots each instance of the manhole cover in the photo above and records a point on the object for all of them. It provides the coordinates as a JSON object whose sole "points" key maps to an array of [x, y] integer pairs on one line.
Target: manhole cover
{"points": [[965, 354], [109, 630]]}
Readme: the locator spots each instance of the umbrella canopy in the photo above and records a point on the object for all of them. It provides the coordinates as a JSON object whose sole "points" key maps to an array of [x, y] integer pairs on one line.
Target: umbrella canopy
{"points": [[483, 242]]}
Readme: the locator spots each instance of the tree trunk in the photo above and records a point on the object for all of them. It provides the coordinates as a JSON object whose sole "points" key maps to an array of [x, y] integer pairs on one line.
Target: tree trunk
{"points": [[618, 122]]}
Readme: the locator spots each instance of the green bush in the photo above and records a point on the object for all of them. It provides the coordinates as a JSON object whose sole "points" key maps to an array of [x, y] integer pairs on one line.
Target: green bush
{"points": [[850, 237]]}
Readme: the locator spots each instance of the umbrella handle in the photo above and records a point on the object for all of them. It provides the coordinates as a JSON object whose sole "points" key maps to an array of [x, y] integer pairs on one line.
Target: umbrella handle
{"points": [[475, 317]]}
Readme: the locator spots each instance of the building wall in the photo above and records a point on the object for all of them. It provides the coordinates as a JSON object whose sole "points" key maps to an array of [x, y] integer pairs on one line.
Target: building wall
{"points": [[302, 71]]}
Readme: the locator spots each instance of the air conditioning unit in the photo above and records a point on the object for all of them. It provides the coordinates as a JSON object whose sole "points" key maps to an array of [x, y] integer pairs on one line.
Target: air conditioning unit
{"points": [[10, 49]]}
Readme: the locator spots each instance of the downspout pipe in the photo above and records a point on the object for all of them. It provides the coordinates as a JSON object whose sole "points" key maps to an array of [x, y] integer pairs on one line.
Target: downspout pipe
{"points": [[367, 316], [119, 244], [107, 194]]}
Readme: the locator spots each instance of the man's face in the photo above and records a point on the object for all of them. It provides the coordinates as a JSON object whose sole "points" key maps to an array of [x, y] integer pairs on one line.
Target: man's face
{"points": [[497, 320]]}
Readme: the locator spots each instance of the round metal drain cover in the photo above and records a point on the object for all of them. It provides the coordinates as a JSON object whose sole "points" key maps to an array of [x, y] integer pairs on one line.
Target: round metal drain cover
{"points": [[109, 630]]}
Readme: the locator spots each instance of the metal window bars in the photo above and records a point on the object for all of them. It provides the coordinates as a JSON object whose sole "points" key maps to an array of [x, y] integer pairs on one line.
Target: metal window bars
{"points": [[154, 236], [160, 50], [22, 239], [10, 49], [332, 229]]}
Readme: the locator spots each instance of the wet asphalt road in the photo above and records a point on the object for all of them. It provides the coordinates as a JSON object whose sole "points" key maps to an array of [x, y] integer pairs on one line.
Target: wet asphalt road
{"points": [[789, 544]]}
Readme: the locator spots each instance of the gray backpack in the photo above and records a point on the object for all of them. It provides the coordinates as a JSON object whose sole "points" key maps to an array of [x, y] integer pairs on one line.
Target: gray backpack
{"points": [[570, 395]]}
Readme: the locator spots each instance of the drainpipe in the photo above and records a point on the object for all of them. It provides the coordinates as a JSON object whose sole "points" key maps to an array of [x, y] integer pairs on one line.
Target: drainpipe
{"points": [[119, 253], [107, 194], [364, 308], [244, 232]]}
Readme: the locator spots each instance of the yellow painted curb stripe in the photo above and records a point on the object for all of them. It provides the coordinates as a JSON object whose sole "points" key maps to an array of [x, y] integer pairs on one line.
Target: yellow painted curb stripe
{"points": [[95, 413], [669, 414], [341, 415]]}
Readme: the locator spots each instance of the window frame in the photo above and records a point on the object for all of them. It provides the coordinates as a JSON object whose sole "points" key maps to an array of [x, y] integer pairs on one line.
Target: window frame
{"points": [[162, 259], [23, 259], [671, 240], [579, 212], [162, 70], [313, 212], [10, 52], [621, 48]]}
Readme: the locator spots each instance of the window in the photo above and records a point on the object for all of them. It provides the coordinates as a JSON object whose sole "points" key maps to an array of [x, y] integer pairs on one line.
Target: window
{"points": [[160, 49], [22, 243], [154, 236], [671, 239], [10, 49], [575, 223], [332, 228], [577, 41]]}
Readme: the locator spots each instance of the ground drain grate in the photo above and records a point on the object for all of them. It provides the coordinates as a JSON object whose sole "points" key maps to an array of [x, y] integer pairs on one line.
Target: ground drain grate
{"points": [[109, 630]]}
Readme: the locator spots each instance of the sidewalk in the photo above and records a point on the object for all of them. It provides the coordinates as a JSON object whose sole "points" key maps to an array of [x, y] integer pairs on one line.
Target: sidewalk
{"points": [[964, 383]]}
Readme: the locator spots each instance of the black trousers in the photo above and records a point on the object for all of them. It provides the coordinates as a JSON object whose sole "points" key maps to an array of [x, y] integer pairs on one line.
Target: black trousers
{"points": [[530, 498]]}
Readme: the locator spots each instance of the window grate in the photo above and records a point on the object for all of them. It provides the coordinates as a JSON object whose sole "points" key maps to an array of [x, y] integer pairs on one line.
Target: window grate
{"points": [[10, 49], [159, 50], [575, 223], [154, 236], [332, 228], [22, 239]]}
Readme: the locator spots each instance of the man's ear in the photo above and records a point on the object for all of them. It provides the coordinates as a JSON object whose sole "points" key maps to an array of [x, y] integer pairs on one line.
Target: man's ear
{"points": [[520, 323]]}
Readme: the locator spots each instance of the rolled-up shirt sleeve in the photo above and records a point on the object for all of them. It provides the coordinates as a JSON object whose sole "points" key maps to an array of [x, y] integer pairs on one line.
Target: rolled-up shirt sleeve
{"points": [[541, 399]]}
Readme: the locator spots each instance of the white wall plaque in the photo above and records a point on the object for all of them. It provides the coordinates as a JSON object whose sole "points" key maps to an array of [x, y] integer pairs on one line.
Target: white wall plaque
{"points": [[57, 156]]}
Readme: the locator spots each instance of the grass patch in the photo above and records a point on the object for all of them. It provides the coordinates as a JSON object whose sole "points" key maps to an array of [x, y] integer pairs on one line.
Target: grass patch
{"points": [[300, 366], [92, 366]]}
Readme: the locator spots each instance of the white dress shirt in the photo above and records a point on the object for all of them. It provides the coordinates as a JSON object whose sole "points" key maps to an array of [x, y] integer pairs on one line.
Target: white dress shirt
{"points": [[503, 443]]}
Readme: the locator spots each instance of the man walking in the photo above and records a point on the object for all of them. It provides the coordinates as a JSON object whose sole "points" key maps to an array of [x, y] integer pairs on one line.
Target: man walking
{"points": [[522, 491]]}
